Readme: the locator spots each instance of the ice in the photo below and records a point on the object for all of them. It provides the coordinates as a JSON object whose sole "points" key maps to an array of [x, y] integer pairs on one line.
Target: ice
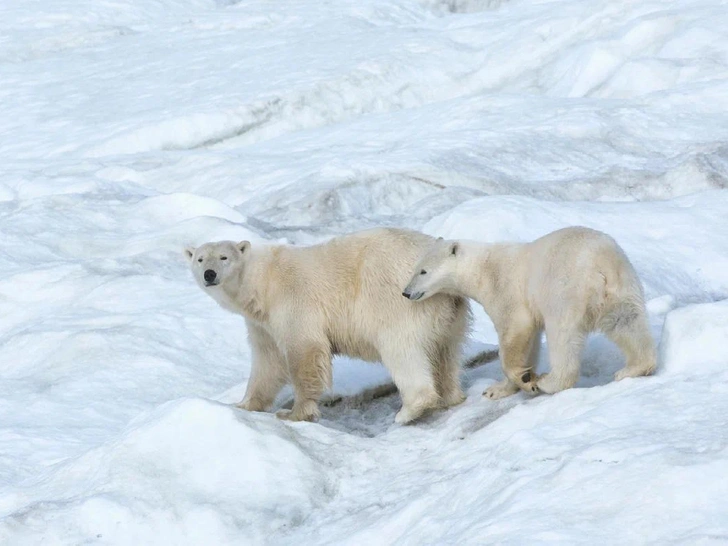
{"points": [[131, 130]]}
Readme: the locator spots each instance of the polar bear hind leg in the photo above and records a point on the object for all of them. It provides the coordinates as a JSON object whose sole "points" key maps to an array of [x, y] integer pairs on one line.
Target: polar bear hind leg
{"points": [[628, 328], [565, 348], [448, 353], [411, 371], [446, 366]]}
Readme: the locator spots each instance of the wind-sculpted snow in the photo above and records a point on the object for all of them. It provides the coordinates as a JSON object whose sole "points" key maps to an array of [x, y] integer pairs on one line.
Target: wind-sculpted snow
{"points": [[137, 486], [129, 130]]}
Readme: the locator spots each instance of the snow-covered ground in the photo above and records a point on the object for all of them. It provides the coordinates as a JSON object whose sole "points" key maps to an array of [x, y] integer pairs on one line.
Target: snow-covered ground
{"points": [[131, 129]]}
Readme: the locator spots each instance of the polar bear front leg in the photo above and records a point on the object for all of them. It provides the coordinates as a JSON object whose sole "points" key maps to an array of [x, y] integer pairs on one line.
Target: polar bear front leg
{"points": [[309, 366], [507, 387], [268, 371], [565, 348], [516, 350]]}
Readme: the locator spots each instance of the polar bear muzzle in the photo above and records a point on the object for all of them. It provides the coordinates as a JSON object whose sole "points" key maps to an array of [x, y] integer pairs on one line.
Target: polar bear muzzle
{"points": [[414, 296], [210, 275]]}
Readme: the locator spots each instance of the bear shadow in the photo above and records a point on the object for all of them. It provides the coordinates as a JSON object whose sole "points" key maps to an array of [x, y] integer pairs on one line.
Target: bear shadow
{"points": [[371, 412]]}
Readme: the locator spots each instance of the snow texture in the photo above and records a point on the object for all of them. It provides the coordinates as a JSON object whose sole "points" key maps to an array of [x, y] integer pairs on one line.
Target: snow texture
{"points": [[129, 130]]}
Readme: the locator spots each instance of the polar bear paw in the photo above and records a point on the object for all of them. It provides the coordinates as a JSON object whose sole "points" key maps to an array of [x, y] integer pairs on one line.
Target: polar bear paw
{"points": [[251, 405], [307, 411], [406, 415], [417, 407], [500, 390], [452, 398], [628, 371]]}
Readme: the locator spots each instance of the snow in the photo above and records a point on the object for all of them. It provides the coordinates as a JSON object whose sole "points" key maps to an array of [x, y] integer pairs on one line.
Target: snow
{"points": [[164, 447], [131, 130], [694, 339]]}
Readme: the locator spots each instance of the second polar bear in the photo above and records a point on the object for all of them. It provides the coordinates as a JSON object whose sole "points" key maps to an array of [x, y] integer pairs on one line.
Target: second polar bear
{"points": [[304, 305], [569, 283]]}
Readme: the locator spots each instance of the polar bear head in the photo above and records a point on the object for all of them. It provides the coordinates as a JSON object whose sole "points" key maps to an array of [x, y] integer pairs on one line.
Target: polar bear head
{"points": [[435, 273], [213, 263]]}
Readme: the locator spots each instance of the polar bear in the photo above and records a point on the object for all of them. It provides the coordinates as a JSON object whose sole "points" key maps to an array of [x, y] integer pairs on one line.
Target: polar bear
{"points": [[569, 283], [302, 305]]}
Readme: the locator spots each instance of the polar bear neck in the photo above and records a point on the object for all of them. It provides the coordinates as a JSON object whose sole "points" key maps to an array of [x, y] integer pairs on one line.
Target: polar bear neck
{"points": [[488, 273], [244, 288]]}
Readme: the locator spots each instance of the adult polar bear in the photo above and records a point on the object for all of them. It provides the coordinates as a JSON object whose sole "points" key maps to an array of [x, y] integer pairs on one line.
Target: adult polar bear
{"points": [[570, 282], [304, 305]]}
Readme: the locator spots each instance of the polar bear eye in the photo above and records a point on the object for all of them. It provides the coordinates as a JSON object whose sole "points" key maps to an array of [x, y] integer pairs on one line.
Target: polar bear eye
{"points": [[199, 260], [223, 257], [423, 272]]}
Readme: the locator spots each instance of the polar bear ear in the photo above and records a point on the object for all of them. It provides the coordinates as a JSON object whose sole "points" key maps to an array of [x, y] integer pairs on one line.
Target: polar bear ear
{"points": [[189, 252], [454, 249], [440, 239], [243, 246]]}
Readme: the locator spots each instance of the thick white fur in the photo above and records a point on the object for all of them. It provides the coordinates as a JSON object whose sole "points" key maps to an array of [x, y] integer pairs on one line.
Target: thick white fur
{"points": [[569, 283], [304, 305]]}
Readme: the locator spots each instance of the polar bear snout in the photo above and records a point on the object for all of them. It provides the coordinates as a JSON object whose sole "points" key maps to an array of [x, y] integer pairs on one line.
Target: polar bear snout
{"points": [[210, 277], [414, 296]]}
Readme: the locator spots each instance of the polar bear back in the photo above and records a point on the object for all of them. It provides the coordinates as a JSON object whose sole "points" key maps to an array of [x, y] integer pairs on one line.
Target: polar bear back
{"points": [[352, 285], [584, 264]]}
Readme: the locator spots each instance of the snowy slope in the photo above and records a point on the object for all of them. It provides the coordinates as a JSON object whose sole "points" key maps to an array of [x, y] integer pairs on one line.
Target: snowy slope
{"points": [[131, 129]]}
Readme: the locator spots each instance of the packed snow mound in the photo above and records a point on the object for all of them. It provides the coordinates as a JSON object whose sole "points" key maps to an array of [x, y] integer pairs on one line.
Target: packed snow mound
{"points": [[342, 197], [253, 472], [695, 339], [568, 468], [172, 208]]}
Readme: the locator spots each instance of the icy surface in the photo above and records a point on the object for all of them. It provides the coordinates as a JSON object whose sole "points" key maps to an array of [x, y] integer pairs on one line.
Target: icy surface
{"points": [[129, 130]]}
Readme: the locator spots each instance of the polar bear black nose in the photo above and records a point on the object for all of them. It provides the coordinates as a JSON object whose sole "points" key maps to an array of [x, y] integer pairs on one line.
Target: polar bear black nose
{"points": [[406, 294], [210, 275]]}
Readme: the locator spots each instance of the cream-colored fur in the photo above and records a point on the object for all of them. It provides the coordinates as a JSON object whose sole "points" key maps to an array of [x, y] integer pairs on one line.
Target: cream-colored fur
{"points": [[304, 305], [569, 283]]}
